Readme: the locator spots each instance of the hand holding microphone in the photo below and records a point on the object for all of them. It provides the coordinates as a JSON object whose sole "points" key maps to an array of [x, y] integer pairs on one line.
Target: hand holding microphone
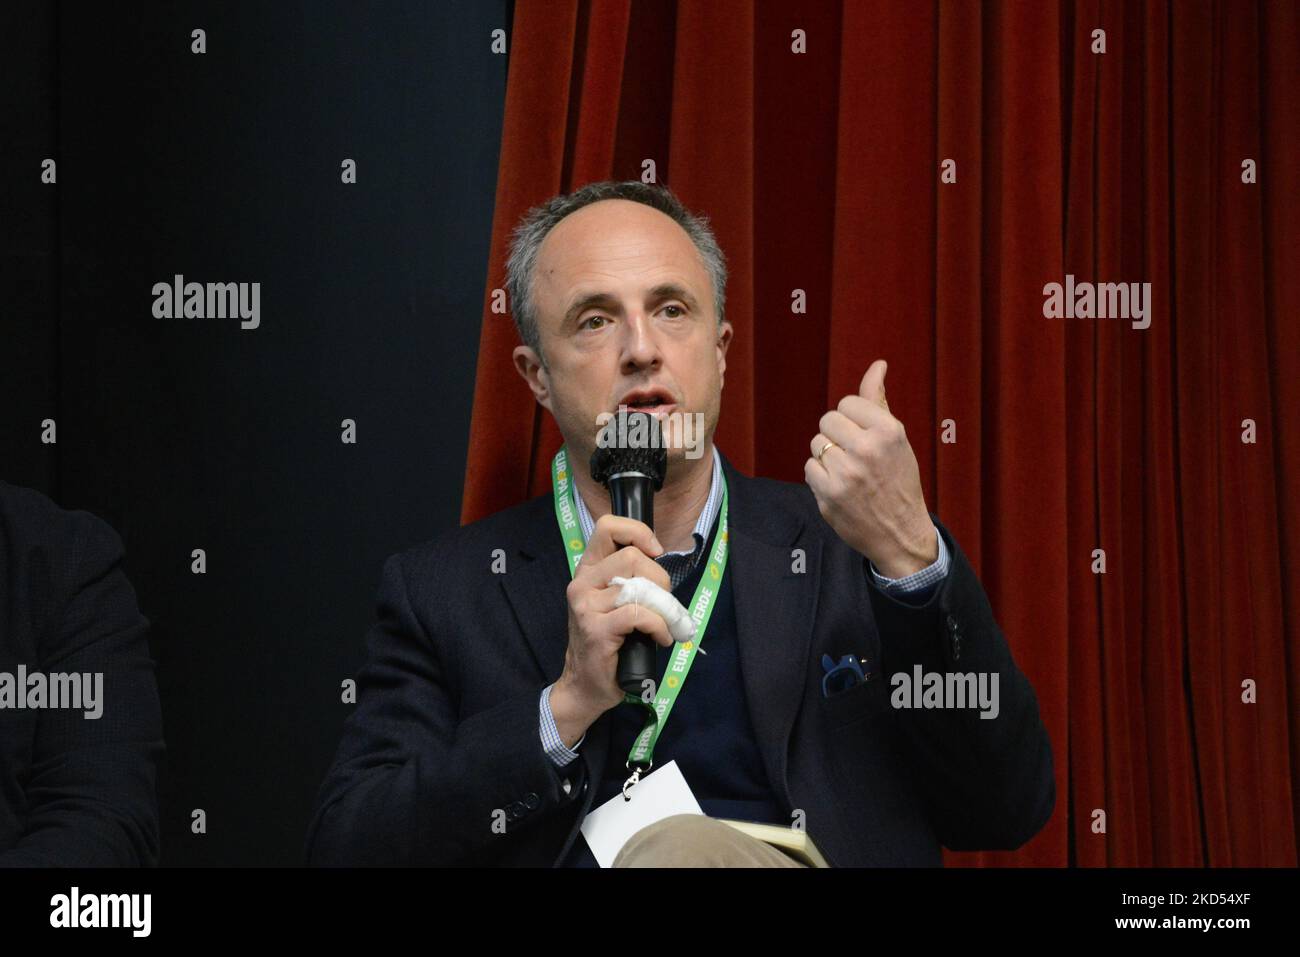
{"points": [[611, 646], [588, 687]]}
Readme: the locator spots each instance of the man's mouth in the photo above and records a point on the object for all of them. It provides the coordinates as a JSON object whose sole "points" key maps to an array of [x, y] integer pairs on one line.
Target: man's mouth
{"points": [[653, 401]]}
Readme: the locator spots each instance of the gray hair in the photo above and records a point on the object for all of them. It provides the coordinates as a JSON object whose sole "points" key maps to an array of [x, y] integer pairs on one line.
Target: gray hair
{"points": [[540, 220]]}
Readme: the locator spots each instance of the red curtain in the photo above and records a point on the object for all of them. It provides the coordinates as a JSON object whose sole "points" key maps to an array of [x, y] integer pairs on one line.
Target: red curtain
{"points": [[821, 171]]}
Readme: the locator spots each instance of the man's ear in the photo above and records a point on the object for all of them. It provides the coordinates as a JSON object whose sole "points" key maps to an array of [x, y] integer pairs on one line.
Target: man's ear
{"points": [[725, 332], [529, 365]]}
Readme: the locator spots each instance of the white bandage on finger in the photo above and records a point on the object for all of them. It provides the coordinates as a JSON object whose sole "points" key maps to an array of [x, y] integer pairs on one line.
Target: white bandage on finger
{"points": [[645, 592]]}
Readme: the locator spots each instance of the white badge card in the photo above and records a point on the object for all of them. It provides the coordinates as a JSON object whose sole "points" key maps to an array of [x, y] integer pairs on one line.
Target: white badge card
{"points": [[660, 794]]}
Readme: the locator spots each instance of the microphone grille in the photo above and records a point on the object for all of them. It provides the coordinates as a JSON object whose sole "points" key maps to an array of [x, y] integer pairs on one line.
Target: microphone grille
{"points": [[631, 441]]}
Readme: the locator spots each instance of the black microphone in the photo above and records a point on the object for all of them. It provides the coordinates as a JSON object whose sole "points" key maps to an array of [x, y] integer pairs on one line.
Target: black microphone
{"points": [[631, 460]]}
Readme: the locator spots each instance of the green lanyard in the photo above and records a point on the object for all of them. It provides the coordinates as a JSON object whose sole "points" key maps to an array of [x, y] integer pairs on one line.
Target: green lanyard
{"points": [[701, 608]]}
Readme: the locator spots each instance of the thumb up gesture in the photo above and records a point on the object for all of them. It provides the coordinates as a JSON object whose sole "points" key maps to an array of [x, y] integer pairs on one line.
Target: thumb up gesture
{"points": [[864, 476]]}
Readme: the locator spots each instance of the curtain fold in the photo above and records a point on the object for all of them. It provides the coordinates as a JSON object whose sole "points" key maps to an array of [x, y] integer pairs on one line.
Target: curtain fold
{"points": [[1047, 445]]}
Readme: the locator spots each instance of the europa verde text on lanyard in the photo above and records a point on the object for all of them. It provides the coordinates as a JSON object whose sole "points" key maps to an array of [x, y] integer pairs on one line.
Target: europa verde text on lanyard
{"points": [[640, 758]]}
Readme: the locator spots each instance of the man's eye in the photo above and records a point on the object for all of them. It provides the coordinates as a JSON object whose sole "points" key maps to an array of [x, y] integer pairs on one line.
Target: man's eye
{"points": [[592, 319], [678, 308]]}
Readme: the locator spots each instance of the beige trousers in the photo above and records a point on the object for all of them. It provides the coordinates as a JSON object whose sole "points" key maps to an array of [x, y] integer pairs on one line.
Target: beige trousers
{"points": [[694, 840]]}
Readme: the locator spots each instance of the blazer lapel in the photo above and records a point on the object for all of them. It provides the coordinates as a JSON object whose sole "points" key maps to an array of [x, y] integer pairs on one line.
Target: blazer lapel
{"points": [[775, 608], [535, 588]]}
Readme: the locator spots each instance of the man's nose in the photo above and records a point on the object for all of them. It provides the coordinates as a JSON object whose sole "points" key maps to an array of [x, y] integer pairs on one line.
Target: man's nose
{"points": [[640, 343]]}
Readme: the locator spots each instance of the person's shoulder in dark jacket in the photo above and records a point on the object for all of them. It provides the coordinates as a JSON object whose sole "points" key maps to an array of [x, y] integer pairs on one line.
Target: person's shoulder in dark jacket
{"points": [[77, 784], [425, 565]]}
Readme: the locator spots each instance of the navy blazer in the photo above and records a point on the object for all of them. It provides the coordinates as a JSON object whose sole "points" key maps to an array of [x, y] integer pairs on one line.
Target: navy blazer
{"points": [[74, 791], [444, 739]]}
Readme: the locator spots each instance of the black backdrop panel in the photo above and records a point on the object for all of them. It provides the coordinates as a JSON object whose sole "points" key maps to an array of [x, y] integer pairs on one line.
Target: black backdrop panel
{"points": [[195, 433]]}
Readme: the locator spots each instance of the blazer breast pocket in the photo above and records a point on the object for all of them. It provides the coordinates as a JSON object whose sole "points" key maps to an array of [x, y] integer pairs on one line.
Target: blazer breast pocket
{"points": [[861, 702]]}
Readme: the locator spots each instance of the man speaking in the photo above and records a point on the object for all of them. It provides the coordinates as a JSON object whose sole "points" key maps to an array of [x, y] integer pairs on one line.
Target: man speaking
{"points": [[839, 632]]}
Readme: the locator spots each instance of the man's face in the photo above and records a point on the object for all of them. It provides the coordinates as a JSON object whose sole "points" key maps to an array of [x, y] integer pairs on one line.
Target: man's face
{"points": [[625, 306]]}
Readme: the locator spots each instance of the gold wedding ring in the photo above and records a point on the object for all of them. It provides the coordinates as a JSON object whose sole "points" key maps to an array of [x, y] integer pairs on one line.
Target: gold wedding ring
{"points": [[823, 450]]}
